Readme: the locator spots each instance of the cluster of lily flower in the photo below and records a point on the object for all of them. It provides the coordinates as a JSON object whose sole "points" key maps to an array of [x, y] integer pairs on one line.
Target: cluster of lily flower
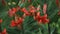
{"points": [[34, 12]]}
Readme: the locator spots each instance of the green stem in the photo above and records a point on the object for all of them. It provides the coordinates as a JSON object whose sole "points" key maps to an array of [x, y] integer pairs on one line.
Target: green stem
{"points": [[49, 28], [0, 28], [22, 29]]}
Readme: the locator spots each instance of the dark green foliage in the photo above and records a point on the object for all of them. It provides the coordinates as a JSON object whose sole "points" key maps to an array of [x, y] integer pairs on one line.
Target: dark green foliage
{"points": [[30, 26]]}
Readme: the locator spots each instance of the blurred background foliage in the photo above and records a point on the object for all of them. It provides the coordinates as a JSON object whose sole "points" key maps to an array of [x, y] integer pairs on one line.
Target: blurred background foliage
{"points": [[29, 25]]}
